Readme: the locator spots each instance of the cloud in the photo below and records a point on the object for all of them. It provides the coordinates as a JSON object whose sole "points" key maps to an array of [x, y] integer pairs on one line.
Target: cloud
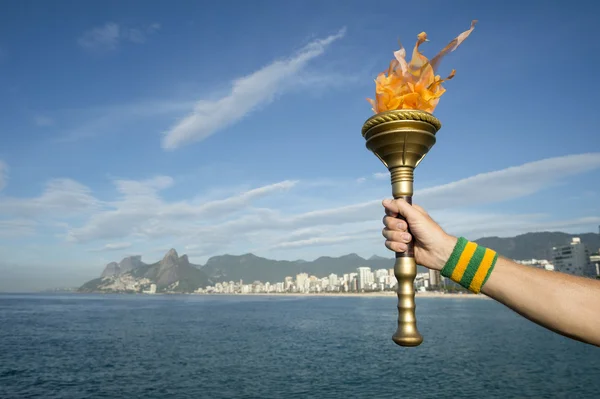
{"points": [[43, 121], [315, 241], [142, 213], [247, 94], [16, 228], [109, 36], [279, 219], [101, 38], [381, 175], [93, 121], [3, 175], [112, 247], [506, 184], [61, 198]]}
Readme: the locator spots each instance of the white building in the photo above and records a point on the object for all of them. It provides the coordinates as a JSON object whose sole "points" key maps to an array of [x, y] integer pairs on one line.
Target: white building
{"points": [[364, 277], [152, 289], [573, 259], [302, 281], [333, 280]]}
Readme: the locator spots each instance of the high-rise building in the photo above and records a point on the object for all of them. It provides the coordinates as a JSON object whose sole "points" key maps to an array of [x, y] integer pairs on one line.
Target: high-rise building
{"points": [[364, 277], [333, 280], [573, 259], [434, 278], [301, 281]]}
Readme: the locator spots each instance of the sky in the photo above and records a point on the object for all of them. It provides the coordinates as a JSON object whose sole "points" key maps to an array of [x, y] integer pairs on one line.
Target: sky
{"points": [[129, 128]]}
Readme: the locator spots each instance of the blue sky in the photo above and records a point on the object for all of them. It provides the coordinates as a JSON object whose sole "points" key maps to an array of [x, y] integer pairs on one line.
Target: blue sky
{"points": [[133, 127]]}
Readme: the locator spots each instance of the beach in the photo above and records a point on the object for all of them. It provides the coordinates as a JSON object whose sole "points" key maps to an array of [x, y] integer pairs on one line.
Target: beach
{"points": [[427, 294]]}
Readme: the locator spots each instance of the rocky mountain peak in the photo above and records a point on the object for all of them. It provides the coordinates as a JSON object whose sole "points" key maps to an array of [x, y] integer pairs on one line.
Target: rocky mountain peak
{"points": [[111, 269], [130, 263], [171, 256]]}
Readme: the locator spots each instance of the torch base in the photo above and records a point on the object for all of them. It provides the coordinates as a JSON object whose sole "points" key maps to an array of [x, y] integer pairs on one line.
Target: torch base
{"points": [[405, 270]]}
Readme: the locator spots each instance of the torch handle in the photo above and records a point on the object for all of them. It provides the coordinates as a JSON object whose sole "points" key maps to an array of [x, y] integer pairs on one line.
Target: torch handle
{"points": [[405, 270]]}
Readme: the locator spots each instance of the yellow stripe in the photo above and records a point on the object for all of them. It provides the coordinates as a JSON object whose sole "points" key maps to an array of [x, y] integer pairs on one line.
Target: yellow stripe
{"points": [[485, 265], [463, 262]]}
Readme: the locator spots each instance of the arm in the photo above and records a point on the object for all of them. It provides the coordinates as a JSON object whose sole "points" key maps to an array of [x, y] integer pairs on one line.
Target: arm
{"points": [[562, 303], [565, 304]]}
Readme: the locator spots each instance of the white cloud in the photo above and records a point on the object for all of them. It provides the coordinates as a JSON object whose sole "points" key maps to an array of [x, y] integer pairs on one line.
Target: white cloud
{"points": [[101, 38], [114, 246], [92, 121], [239, 222], [110, 35], [3, 175], [61, 198], [43, 121], [16, 227], [141, 212], [247, 94], [506, 184], [315, 241], [381, 175]]}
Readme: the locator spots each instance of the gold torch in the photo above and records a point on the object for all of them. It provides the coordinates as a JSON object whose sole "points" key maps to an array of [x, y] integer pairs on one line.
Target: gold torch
{"points": [[400, 134]]}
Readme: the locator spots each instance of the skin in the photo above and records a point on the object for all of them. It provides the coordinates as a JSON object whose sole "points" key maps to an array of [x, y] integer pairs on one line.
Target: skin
{"points": [[565, 304]]}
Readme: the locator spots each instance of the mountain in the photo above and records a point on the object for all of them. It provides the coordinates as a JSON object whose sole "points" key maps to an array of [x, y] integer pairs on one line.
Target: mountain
{"points": [[127, 264], [173, 274], [536, 245], [251, 268], [176, 274]]}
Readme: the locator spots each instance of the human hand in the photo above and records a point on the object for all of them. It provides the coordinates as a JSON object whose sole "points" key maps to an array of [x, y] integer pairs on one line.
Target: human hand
{"points": [[433, 246]]}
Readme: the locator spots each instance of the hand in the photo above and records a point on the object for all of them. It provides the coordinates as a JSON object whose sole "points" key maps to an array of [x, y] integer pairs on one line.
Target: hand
{"points": [[433, 246]]}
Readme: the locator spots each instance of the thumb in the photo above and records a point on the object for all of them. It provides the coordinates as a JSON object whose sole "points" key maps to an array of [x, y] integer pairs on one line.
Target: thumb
{"points": [[400, 207]]}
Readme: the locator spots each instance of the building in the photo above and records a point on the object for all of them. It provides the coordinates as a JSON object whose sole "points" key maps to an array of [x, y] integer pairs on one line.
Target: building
{"points": [[301, 281], [595, 259], [152, 289], [434, 278], [573, 259], [364, 277]]}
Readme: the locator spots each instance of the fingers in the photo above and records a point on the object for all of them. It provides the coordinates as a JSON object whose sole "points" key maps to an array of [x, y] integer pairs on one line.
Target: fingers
{"points": [[397, 236], [396, 246], [399, 207], [396, 240], [393, 223]]}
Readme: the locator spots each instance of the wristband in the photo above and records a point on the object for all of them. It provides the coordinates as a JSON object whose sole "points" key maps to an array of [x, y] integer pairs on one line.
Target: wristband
{"points": [[470, 265]]}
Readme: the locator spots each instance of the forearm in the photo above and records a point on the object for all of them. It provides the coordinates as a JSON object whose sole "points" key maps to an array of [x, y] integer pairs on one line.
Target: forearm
{"points": [[565, 304]]}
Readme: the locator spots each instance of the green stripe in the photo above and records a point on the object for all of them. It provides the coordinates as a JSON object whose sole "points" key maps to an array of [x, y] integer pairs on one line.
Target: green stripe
{"points": [[472, 267], [454, 257], [490, 270]]}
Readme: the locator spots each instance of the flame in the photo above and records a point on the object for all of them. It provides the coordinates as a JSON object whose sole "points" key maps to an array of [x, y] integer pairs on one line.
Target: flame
{"points": [[413, 85]]}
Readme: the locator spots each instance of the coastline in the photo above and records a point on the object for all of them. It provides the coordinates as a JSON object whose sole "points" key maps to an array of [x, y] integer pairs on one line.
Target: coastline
{"points": [[390, 294]]}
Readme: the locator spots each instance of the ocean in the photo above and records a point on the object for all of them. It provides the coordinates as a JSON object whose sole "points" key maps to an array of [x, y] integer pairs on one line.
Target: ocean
{"points": [[186, 346]]}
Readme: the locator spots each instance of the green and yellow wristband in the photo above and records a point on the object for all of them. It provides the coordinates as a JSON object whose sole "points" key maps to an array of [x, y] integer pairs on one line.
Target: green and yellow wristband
{"points": [[470, 265]]}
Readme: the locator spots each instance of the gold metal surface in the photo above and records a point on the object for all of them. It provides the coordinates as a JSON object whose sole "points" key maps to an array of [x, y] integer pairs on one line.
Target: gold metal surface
{"points": [[407, 334], [401, 139]]}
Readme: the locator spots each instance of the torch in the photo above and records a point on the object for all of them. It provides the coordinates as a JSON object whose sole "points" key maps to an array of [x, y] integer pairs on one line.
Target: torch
{"points": [[400, 134]]}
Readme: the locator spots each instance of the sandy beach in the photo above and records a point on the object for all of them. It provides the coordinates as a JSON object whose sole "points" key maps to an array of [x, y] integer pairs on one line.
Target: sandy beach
{"points": [[366, 294]]}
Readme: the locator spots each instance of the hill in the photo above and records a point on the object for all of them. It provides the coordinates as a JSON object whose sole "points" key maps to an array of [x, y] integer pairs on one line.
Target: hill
{"points": [[176, 274], [171, 274], [536, 245], [250, 267]]}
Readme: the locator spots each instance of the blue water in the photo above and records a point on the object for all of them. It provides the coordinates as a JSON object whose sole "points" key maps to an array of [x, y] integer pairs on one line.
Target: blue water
{"points": [[119, 346]]}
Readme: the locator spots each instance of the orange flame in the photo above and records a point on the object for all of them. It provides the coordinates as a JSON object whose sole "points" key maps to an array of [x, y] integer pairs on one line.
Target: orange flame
{"points": [[413, 85]]}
